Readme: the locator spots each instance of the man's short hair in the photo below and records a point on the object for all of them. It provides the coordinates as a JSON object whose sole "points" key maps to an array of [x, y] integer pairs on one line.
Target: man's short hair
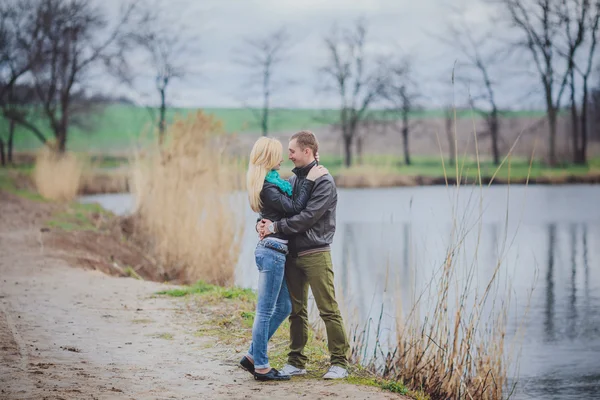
{"points": [[306, 139]]}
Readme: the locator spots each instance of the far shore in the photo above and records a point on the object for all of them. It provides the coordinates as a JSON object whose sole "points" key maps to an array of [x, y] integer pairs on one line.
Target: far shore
{"points": [[116, 182], [109, 174]]}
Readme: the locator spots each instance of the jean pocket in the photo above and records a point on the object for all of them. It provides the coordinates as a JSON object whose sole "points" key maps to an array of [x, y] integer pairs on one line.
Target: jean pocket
{"points": [[259, 257], [268, 259], [281, 258]]}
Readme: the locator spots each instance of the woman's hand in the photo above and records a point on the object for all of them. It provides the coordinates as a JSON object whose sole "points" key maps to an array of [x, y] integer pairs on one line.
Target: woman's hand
{"points": [[316, 172]]}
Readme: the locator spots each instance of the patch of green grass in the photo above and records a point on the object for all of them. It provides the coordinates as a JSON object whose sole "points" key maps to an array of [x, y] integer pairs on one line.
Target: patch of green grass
{"points": [[175, 292], [198, 288], [71, 221], [130, 272], [8, 176], [237, 293], [203, 288], [362, 377], [29, 195], [78, 217], [248, 318], [395, 387]]}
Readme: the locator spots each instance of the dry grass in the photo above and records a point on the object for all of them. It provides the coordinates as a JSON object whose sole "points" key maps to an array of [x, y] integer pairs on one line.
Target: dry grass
{"points": [[57, 176], [187, 210], [451, 342], [371, 176], [100, 182], [455, 351]]}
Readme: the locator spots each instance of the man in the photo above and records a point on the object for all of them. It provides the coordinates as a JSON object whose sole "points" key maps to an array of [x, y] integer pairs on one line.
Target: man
{"points": [[309, 262]]}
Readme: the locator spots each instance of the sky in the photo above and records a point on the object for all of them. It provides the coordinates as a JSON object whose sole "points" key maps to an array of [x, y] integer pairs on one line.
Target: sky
{"points": [[217, 29]]}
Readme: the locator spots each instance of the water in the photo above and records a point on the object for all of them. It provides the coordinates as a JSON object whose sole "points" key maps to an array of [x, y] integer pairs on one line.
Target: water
{"points": [[390, 242]]}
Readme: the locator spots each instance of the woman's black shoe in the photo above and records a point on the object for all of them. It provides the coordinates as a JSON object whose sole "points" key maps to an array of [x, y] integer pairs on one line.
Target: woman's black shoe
{"points": [[247, 365], [272, 375]]}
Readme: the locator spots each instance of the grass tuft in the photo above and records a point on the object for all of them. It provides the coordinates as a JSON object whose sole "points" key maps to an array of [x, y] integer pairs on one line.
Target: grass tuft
{"points": [[79, 217], [130, 272], [57, 176]]}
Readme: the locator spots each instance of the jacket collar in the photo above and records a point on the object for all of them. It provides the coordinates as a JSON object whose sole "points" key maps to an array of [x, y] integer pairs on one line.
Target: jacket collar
{"points": [[302, 172]]}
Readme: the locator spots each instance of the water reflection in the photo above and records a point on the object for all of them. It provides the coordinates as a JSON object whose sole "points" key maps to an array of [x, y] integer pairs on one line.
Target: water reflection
{"points": [[549, 314], [565, 364], [572, 314]]}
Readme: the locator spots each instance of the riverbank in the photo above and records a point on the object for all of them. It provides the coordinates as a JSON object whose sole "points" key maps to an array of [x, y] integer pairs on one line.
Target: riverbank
{"points": [[111, 174], [77, 319]]}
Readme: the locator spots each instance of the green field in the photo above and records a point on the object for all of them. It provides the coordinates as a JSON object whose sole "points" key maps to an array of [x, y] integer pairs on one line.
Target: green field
{"points": [[119, 127], [467, 167]]}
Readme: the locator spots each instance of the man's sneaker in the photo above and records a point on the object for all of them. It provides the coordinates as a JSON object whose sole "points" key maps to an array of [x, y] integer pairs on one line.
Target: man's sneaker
{"points": [[291, 370], [335, 372]]}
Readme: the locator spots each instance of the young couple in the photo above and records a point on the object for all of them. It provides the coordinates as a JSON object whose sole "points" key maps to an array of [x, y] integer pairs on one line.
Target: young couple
{"points": [[296, 229]]}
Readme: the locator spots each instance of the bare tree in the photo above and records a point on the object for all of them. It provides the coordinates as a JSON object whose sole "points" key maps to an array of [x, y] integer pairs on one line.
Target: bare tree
{"points": [[580, 21], [17, 56], [539, 22], [401, 91], [262, 56], [347, 74], [574, 39], [74, 38], [449, 118], [479, 56], [594, 114], [5, 59], [17, 109], [585, 73], [168, 47]]}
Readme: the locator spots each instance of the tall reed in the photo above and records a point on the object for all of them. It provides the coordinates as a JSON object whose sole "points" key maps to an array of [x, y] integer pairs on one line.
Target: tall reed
{"points": [[450, 343], [57, 176], [188, 208]]}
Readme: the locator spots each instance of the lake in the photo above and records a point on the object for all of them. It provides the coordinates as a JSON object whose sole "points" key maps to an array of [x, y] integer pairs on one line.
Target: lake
{"points": [[390, 242]]}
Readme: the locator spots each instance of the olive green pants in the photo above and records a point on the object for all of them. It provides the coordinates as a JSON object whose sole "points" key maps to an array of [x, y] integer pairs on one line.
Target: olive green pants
{"points": [[316, 271]]}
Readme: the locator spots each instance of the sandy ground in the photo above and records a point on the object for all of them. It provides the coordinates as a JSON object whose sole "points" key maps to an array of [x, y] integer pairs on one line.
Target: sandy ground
{"points": [[70, 333]]}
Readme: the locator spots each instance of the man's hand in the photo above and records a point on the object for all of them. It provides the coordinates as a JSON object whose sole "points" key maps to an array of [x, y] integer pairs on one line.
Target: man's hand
{"points": [[260, 225], [260, 228], [263, 228]]}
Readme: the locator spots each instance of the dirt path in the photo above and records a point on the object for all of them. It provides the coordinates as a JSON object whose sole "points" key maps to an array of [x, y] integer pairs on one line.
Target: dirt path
{"points": [[68, 333]]}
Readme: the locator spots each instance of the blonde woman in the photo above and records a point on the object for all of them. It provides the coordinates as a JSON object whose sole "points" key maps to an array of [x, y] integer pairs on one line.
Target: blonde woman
{"points": [[271, 197]]}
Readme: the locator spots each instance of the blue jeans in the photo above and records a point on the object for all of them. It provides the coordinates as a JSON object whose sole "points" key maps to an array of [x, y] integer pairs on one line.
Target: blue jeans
{"points": [[274, 304]]}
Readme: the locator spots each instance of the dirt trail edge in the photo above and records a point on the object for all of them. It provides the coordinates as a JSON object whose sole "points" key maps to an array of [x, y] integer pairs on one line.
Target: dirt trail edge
{"points": [[68, 333]]}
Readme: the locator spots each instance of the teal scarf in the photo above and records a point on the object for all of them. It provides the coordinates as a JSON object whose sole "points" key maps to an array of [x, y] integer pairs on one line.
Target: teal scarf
{"points": [[274, 178]]}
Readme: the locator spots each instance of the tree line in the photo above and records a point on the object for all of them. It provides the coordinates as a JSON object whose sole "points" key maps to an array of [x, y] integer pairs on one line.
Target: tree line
{"points": [[50, 50], [558, 38]]}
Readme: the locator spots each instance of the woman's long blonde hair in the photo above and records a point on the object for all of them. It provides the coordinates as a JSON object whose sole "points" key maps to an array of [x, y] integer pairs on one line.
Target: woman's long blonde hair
{"points": [[266, 154]]}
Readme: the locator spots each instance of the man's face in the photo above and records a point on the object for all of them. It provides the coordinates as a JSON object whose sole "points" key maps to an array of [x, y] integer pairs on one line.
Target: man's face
{"points": [[299, 157]]}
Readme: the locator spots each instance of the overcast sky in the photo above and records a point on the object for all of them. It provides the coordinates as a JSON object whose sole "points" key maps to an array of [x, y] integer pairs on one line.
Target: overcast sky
{"points": [[219, 27]]}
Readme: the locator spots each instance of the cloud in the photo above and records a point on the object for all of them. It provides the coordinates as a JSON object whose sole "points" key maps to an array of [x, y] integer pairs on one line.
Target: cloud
{"points": [[218, 29]]}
